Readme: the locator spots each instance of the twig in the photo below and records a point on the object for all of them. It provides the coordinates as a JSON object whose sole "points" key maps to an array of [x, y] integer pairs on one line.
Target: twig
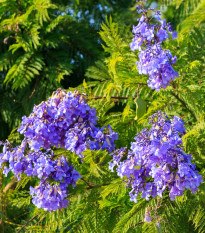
{"points": [[89, 185], [10, 185], [34, 90], [145, 84], [79, 224], [118, 47], [138, 89], [183, 103], [92, 185], [28, 222], [112, 97], [136, 224], [41, 219], [155, 214]]}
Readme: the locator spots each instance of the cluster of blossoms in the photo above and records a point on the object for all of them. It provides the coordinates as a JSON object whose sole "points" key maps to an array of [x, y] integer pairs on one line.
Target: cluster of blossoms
{"points": [[153, 59], [156, 161], [43, 166], [64, 121]]}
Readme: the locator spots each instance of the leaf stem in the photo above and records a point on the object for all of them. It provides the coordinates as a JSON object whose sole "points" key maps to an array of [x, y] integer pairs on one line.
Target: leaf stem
{"points": [[183, 103], [28, 222]]}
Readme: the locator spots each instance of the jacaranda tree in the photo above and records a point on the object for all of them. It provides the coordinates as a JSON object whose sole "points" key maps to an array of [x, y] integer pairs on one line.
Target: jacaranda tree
{"points": [[124, 151]]}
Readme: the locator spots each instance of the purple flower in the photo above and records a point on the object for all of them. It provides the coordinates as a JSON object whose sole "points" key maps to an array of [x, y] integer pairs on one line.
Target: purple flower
{"points": [[147, 216], [65, 120], [174, 35], [49, 197], [156, 161], [153, 60], [162, 34], [41, 165]]}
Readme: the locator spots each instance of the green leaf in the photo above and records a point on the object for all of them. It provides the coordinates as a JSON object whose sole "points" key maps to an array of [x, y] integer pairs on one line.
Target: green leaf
{"points": [[140, 107]]}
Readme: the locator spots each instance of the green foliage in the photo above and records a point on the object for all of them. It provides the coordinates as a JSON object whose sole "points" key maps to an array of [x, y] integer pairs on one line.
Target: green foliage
{"points": [[44, 45], [185, 14]]}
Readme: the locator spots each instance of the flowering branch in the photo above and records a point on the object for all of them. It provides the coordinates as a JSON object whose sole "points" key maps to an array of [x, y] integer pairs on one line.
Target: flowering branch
{"points": [[157, 153], [153, 59]]}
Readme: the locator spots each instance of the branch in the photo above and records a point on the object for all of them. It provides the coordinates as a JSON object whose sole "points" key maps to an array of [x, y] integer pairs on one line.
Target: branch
{"points": [[136, 83], [34, 90], [10, 185], [138, 89], [40, 219], [113, 97], [89, 185], [92, 185], [136, 224], [183, 103], [118, 47], [28, 222], [79, 224]]}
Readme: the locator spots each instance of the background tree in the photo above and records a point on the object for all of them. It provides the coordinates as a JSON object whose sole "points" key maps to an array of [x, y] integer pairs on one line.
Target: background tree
{"points": [[46, 45]]}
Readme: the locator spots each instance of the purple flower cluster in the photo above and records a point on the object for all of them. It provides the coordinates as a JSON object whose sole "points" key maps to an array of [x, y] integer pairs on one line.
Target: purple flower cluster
{"points": [[66, 121], [153, 59], [49, 197], [157, 162], [43, 166]]}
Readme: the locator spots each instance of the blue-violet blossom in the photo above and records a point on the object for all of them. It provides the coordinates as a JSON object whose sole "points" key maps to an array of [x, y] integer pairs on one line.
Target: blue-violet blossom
{"points": [[153, 59], [157, 161]]}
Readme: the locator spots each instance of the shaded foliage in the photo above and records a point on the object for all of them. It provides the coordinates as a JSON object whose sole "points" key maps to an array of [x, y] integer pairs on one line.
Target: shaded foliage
{"points": [[46, 45]]}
